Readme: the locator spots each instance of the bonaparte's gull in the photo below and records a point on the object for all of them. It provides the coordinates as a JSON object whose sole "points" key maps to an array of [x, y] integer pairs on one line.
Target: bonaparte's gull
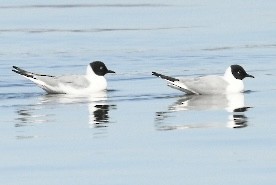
{"points": [[231, 82], [93, 81]]}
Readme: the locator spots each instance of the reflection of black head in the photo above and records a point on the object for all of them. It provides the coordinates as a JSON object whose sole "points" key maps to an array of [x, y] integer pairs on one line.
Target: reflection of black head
{"points": [[239, 73], [101, 114], [242, 109], [240, 121], [99, 68]]}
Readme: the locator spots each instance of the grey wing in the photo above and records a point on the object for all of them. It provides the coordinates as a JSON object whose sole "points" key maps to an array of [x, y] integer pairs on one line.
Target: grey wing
{"points": [[202, 85], [52, 84], [179, 86], [56, 84], [75, 81]]}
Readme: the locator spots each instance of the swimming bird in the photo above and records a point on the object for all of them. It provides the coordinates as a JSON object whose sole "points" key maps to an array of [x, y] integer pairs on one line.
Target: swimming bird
{"points": [[230, 82], [92, 81]]}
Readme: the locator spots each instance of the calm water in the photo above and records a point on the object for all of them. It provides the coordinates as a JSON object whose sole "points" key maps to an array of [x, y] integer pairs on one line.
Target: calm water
{"points": [[140, 131]]}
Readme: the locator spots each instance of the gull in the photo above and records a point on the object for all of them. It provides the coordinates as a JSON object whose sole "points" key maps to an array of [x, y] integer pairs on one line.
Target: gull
{"points": [[93, 81], [230, 82]]}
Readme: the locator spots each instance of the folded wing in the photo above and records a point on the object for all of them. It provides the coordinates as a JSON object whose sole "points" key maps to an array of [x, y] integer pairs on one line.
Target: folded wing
{"points": [[54, 84], [211, 84]]}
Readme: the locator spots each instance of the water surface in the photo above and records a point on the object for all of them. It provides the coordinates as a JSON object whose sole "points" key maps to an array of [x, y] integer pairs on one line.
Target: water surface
{"points": [[140, 131]]}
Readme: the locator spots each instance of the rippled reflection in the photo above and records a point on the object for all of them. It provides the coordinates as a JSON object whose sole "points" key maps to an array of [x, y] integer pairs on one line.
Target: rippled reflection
{"points": [[29, 116], [202, 109], [46, 110]]}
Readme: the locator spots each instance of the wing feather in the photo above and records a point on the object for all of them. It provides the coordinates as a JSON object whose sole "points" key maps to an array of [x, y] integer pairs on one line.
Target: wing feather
{"points": [[52, 84], [211, 84]]}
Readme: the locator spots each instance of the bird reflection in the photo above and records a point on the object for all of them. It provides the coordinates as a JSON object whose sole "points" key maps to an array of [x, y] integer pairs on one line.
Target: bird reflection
{"points": [[98, 109], [231, 104], [28, 115]]}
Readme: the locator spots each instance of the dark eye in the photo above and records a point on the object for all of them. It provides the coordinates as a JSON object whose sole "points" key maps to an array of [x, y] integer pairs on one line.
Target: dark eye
{"points": [[101, 68]]}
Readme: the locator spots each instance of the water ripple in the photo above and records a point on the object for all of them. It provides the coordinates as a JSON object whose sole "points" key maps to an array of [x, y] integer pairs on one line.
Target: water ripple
{"points": [[94, 30], [83, 6], [253, 46]]}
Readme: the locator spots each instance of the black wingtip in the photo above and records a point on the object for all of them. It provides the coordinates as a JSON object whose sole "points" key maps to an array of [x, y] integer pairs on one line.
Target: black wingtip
{"points": [[156, 74], [15, 71], [22, 72], [165, 77]]}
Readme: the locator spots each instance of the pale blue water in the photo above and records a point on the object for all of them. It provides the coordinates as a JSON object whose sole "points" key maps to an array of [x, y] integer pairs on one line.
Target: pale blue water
{"points": [[143, 132]]}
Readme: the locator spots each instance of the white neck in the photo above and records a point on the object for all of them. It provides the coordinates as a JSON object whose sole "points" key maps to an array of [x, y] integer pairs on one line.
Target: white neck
{"points": [[228, 76], [90, 72], [98, 83], [235, 85]]}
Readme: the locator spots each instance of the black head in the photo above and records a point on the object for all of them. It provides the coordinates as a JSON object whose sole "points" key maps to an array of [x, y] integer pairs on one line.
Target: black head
{"points": [[99, 68], [239, 73]]}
